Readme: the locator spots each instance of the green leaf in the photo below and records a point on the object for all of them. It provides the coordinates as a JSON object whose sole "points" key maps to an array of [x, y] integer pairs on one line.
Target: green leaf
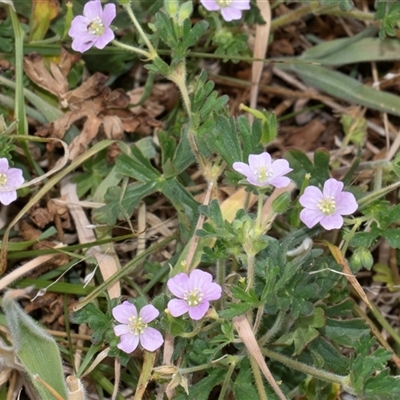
{"points": [[345, 332], [305, 331], [118, 208], [235, 309], [37, 351], [344, 87], [136, 166]]}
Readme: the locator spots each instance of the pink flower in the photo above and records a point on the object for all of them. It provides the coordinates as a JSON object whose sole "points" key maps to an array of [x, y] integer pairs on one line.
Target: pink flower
{"points": [[262, 171], [328, 206], [134, 328], [93, 28], [10, 179], [194, 292], [230, 9]]}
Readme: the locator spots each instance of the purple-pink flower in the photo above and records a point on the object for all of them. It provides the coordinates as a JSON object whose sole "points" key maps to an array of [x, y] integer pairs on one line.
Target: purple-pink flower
{"points": [[10, 179], [134, 329], [194, 292], [93, 27], [230, 9], [328, 206], [262, 171]]}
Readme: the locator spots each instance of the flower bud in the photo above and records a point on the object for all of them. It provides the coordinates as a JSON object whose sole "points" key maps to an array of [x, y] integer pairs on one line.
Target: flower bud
{"points": [[281, 203], [361, 257]]}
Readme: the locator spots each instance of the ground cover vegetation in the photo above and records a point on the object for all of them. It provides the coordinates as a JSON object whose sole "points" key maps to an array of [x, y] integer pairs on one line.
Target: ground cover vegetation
{"points": [[199, 199]]}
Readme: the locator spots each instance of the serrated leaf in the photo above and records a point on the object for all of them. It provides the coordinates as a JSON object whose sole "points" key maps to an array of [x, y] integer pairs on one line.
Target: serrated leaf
{"points": [[345, 332], [235, 309]]}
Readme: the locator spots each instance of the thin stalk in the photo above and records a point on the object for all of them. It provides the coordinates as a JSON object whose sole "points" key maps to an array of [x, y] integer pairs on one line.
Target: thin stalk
{"points": [[274, 329], [131, 48], [258, 379], [309, 370], [153, 52], [221, 273], [250, 272], [227, 379], [259, 210]]}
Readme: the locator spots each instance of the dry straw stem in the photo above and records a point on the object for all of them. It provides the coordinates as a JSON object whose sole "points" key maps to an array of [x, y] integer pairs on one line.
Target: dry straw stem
{"points": [[76, 390], [260, 50], [108, 265], [246, 334]]}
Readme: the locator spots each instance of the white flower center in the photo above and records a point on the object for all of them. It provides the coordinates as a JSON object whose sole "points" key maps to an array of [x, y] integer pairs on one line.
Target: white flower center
{"points": [[136, 325], [96, 27], [224, 3], [263, 173], [193, 297], [327, 205], [3, 180]]}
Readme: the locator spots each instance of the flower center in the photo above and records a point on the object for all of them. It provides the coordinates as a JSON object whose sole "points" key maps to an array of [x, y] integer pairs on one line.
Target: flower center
{"points": [[327, 205], [263, 173], [193, 297], [95, 27], [224, 3], [3, 180], [136, 325]]}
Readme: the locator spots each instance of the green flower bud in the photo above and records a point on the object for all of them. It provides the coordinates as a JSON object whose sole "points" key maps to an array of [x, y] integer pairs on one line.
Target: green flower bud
{"points": [[281, 203], [361, 258], [185, 11]]}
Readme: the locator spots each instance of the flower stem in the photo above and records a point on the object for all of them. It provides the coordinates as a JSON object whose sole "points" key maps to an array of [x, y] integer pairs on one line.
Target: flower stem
{"points": [[227, 379], [131, 48], [258, 379], [259, 210], [153, 52], [274, 329], [309, 370], [221, 273], [250, 272]]}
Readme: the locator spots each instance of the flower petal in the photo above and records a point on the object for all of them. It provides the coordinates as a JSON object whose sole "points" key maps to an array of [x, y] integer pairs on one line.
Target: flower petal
{"points": [[334, 221], [178, 284], [332, 187], [93, 9], [14, 178], [178, 307], [230, 13], [243, 169], [7, 198], [128, 343], [199, 311], [83, 43], [78, 26], [280, 167], [212, 291], [259, 160], [148, 313], [151, 339], [280, 181], [4, 166], [109, 13], [103, 40], [210, 5], [121, 330], [310, 197], [346, 203], [311, 217], [199, 279], [241, 4], [124, 311]]}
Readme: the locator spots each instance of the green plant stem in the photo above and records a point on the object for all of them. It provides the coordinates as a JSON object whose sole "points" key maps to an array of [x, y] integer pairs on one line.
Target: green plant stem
{"points": [[250, 272], [196, 368], [258, 379], [153, 52], [131, 48], [377, 194], [221, 273], [350, 236], [274, 329], [309, 370], [259, 210], [378, 179], [227, 379]]}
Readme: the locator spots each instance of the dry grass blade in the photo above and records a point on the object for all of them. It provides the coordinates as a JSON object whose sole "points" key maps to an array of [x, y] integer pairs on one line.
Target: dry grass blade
{"points": [[246, 334], [260, 49], [107, 264]]}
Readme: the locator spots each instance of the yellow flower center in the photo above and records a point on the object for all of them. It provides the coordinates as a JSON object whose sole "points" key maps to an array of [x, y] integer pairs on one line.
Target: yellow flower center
{"points": [[327, 205], [96, 27], [262, 173], [3, 180], [193, 297], [224, 3], [136, 325]]}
